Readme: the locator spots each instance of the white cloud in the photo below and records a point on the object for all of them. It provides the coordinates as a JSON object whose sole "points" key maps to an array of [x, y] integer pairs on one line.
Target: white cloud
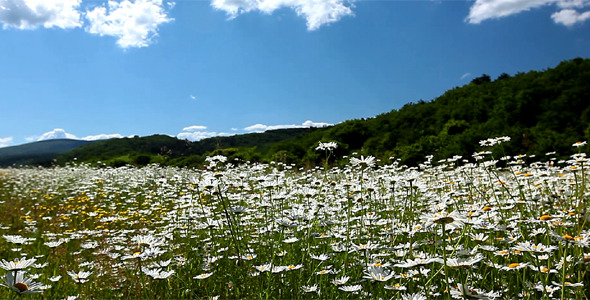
{"points": [[310, 123], [4, 142], [261, 127], [194, 128], [56, 133], [196, 135], [483, 10], [102, 136], [569, 17], [59, 133], [491, 9], [573, 3], [257, 127], [193, 97], [30, 14], [197, 132], [134, 23], [315, 12]]}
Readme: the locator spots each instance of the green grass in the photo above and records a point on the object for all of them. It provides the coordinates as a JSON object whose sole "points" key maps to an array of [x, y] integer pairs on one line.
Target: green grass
{"points": [[269, 231]]}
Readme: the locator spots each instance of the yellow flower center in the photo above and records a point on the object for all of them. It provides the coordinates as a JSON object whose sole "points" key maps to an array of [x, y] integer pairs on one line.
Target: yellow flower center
{"points": [[545, 217], [513, 265]]}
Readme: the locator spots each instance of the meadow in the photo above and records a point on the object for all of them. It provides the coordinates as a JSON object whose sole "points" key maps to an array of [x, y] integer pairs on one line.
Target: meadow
{"points": [[490, 226]]}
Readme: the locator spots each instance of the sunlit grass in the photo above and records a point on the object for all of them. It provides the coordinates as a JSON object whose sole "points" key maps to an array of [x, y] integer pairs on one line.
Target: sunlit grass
{"points": [[449, 229]]}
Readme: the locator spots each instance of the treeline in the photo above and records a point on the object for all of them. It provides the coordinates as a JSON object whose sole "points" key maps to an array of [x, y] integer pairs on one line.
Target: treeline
{"points": [[167, 150], [542, 111]]}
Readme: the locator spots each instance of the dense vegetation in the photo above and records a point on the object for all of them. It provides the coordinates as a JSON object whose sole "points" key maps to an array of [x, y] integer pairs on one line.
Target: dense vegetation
{"points": [[268, 231], [543, 111], [167, 150]]}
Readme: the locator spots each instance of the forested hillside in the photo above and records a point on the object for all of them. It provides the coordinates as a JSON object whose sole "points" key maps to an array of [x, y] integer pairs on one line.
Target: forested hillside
{"points": [[541, 111], [164, 149]]}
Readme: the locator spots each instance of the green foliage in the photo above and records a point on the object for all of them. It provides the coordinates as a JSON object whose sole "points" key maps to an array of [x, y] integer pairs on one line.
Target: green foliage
{"points": [[485, 78]]}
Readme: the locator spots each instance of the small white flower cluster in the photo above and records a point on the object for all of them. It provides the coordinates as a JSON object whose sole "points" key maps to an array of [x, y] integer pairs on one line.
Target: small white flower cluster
{"points": [[329, 146], [494, 141]]}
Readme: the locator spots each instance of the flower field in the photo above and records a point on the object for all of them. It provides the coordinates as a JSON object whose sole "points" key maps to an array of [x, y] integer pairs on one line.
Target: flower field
{"points": [[491, 227]]}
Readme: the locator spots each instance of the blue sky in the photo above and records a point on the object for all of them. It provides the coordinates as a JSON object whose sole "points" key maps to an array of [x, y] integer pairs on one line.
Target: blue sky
{"points": [[194, 69]]}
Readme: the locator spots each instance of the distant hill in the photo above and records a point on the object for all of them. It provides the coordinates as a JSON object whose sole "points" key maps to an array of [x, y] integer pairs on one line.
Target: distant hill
{"points": [[542, 111], [169, 150], [37, 153]]}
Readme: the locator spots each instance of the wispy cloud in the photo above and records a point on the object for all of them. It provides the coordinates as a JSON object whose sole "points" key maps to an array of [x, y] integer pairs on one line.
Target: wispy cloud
{"points": [[133, 23], [316, 12], [194, 128], [568, 12], [23, 14], [465, 76], [261, 127], [4, 142]]}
